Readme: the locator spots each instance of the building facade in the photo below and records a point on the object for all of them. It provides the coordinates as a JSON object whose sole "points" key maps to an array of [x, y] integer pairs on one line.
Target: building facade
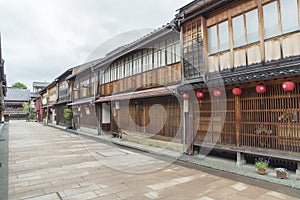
{"points": [[48, 101], [247, 75], [137, 87], [14, 100], [62, 96], [83, 84]]}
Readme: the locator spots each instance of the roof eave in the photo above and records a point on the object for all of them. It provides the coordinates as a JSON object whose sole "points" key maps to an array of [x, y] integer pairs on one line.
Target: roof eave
{"points": [[134, 46], [202, 8]]}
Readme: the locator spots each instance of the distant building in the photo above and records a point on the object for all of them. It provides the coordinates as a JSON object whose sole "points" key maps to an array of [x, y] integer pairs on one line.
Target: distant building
{"points": [[36, 109], [14, 100], [38, 86]]}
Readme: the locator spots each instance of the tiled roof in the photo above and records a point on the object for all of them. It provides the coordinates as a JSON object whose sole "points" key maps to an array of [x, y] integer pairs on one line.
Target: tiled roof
{"points": [[17, 94]]}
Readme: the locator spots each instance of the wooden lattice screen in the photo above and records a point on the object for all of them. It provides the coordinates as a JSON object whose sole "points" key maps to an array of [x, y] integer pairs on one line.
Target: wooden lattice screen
{"points": [[210, 123], [271, 120], [267, 121]]}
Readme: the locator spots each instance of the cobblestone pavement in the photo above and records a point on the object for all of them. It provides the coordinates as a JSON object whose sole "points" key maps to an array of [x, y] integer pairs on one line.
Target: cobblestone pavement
{"points": [[47, 163]]}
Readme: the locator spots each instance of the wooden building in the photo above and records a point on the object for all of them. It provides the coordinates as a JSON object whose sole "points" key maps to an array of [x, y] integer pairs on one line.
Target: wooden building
{"points": [[137, 91], [83, 88], [37, 109], [48, 101], [14, 100], [62, 96], [253, 46], [36, 101]]}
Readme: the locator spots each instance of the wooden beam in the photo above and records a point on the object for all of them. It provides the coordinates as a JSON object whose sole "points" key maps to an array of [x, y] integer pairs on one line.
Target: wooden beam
{"points": [[230, 30], [261, 30], [205, 43], [238, 120], [298, 12]]}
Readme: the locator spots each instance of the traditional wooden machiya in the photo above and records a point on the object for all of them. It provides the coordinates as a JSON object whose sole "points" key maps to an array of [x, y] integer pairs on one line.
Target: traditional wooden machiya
{"points": [[62, 96], [48, 101], [138, 86], [250, 49], [83, 89]]}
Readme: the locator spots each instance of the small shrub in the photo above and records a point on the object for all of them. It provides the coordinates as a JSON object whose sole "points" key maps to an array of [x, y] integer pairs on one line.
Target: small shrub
{"points": [[68, 115], [261, 164]]}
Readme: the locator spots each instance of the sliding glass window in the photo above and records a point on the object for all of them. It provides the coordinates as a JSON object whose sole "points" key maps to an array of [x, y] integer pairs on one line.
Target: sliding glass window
{"points": [[289, 15], [238, 31], [270, 13], [252, 29]]}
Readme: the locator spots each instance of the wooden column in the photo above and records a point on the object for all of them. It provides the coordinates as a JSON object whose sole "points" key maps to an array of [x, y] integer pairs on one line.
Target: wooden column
{"points": [[99, 116], [190, 127], [261, 30], [237, 119]]}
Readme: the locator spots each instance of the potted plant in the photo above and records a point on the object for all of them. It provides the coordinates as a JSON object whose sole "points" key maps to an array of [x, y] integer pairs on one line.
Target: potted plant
{"points": [[68, 115], [281, 172], [261, 165]]}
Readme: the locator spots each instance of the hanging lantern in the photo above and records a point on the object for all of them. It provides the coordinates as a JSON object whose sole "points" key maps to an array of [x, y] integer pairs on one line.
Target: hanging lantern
{"points": [[200, 95], [186, 96], [217, 93], [236, 91], [261, 89], [288, 86]]}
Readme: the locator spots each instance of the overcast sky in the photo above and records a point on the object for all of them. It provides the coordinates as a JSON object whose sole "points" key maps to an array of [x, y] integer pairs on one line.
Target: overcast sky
{"points": [[43, 38]]}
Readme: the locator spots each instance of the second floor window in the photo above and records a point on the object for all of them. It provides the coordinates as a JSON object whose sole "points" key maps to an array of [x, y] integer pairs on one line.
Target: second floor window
{"points": [[252, 28], [212, 40], [289, 15], [270, 20], [128, 66], [238, 31], [223, 36], [218, 38]]}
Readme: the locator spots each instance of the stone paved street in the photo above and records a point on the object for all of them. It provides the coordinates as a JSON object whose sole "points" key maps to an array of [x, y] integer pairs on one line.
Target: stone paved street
{"points": [[47, 163]]}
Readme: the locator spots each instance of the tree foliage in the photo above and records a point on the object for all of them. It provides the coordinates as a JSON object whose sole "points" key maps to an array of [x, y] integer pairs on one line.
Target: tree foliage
{"points": [[68, 115], [26, 107], [19, 85]]}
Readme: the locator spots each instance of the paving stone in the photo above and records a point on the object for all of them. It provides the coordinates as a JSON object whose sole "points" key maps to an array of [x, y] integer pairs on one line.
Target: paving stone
{"points": [[205, 198], [86, 195], [52, 161], [239, 186], [75, 191], [52, 196], [109, 197]]}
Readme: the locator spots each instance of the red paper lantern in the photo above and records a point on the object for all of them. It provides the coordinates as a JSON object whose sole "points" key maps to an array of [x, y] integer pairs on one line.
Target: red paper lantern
{"points": [[217, 93], [236, 91], [288, 86], [261, 89], [186, 95], [200, 95]]}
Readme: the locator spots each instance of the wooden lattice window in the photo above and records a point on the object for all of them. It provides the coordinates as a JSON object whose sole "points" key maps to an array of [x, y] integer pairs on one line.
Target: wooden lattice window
{"points": [[193, 58], [271, 120]]}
